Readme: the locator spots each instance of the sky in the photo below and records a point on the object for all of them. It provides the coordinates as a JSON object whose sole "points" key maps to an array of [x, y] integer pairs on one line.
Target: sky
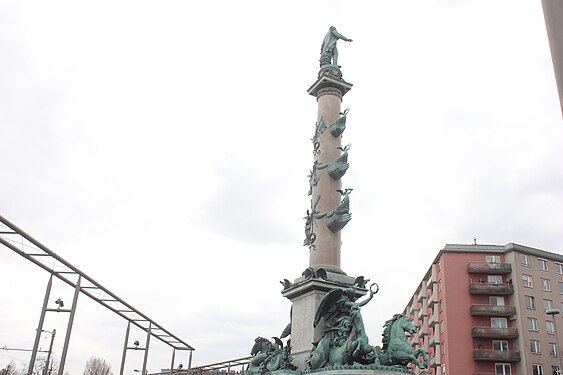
{"points": [[163, 149]]}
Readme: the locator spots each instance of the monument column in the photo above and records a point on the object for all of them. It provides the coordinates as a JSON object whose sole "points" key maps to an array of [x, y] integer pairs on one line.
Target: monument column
{"points": [[328, 212]]}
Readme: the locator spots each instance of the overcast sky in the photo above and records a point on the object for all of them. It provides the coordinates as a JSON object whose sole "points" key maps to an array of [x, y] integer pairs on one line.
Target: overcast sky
{"points": [[163, 149]]}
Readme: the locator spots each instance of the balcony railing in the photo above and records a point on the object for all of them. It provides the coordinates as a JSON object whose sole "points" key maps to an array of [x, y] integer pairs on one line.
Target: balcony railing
{"points": [[496, 355], [490, 310], [491, 289], [489, 268], [494, 333]]}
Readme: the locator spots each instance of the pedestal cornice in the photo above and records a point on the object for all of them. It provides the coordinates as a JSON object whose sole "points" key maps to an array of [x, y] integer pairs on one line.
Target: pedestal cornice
{"points": [[330, 82]]}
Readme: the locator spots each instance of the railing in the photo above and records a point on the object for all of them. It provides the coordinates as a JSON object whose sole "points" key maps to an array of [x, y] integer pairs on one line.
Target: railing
{"points": [[496, 355], [490, 332], [218, 368], [492, 310], [489, 268], [488, 288]]}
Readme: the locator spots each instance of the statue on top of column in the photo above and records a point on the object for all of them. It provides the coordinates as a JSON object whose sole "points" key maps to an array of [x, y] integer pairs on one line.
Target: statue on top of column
{"points": [[329, 52]]}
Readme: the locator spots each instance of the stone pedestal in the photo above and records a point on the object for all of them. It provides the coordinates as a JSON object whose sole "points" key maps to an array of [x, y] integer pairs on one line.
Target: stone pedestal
{"points": [[306, 295]]}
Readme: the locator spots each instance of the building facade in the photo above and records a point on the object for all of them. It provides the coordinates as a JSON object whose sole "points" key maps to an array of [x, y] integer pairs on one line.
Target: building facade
{"points": [[489, 309]]}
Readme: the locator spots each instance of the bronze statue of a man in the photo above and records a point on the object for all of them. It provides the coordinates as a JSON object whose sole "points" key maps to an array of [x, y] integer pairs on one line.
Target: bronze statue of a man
{"points": [[329, 52]]}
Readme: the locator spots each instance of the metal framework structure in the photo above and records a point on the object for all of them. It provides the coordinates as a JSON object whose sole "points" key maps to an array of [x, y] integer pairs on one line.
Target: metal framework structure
{"points": [[22, 243]]}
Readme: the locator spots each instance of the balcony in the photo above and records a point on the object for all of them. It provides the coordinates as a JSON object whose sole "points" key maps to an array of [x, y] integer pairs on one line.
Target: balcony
{"points": [[433, 318], [494, 333], [422, 312], [489, 268], [435, 360], [496, 355], [432, 279], [433, 297], [490, 310], [491, 289], [422, 292], [434, 338]]}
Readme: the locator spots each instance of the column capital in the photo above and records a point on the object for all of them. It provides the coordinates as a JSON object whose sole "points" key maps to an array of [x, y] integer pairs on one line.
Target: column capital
{"points": [[330, 81]]}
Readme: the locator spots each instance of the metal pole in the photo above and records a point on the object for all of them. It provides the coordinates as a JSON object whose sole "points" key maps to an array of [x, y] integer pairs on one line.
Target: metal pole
{"points": [[40, 327], [125, 348], [69, 326], [557, 343], [49, 353], [147, 349], [172, 363]]}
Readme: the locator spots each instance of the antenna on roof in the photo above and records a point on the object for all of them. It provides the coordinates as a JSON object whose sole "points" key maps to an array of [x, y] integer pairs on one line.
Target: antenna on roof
{"points": [[474, 240]]}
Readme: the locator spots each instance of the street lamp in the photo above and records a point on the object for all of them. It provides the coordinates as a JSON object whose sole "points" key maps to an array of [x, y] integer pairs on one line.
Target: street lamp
{"points": [[554, 312]]}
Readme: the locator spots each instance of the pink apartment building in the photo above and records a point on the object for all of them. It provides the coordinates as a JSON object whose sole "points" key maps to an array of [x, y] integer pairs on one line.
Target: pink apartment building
{"points": [[490, 309]]}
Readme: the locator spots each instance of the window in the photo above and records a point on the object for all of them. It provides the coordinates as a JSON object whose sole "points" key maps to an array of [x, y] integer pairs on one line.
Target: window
{"points": [[547, 304], [550, 327], [532, 324], [552, 349], [555, 370], [496, 300], [441, 327], [530, 302], [443, 369], [499, 323], [441, 306], [524, 260], [443, 348], [494, 279], [560, 287], [502, 369], [492, 259], [527, 281], [542, 264], [439, 285], [535, 346], [537, 369], [559, 268], [501, 345], [545, 285], [439, 266]]}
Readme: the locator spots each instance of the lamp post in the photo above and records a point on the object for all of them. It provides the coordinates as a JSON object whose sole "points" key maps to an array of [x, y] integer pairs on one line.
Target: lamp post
{"points": [[554, 312]]}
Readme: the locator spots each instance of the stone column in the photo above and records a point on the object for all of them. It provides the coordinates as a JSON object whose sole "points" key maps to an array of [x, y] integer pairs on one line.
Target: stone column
{"points": [[324, 271], [553, 14], [329, 90]]}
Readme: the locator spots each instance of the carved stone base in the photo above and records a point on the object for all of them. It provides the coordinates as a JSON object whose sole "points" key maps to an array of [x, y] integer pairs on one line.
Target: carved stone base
{"points": [[306, 295], [349, 370]]}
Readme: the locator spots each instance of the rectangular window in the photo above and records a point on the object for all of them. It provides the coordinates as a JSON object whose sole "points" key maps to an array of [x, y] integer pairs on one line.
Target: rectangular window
{"points": [[524, 260], [537, 369], [530, 302], [443, 348], [552, 349], [560, 287], [492, 258], [496, 300], [502, 369], [542, 264], [550, 327], [443, 369], [532, 324], [555, 370], [494, 279], [439, 285], [547, 304], [545, 285], [499, 322], [527, 281], [500, 345], [441, 305], [535, 346], [559, 268], [441, 327]]}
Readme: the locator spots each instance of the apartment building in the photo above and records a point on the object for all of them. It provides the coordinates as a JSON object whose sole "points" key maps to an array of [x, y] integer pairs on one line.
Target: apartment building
{"points": [[490, 309]]}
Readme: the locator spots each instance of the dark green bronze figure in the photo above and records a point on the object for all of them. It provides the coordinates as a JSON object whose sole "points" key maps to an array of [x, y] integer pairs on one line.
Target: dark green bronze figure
{"points": [[340, 216], [329, 52], [344, 341], [339, 125], [269, 357], [396, 349]]}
